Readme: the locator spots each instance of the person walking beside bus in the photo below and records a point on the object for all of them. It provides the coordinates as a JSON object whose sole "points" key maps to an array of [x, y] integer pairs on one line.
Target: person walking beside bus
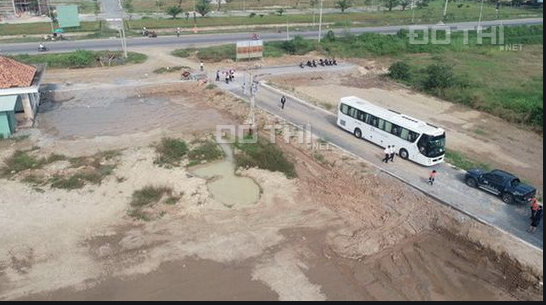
{"points": [[432, 177], [387, 152], [392, 153]]}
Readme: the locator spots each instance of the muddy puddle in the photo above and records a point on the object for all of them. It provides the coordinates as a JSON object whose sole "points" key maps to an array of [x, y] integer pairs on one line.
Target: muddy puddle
{"points": [[225, 186]]}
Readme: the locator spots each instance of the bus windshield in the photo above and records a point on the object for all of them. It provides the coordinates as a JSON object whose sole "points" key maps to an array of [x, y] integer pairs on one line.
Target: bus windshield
{"points": [[432, 146]]}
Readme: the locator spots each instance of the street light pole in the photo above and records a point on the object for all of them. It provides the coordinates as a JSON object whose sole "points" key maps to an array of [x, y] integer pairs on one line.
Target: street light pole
{"points": [[50, 16], [445, 9], [479, 29], [320, 22]]}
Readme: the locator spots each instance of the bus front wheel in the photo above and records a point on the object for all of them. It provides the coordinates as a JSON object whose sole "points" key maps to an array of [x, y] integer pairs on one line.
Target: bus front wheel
{"points": [[404, 154], [358, 133]]}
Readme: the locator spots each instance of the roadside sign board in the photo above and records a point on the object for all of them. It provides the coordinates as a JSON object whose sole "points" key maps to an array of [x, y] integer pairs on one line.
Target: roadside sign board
{"points": [[250, 49], [68, 16]]}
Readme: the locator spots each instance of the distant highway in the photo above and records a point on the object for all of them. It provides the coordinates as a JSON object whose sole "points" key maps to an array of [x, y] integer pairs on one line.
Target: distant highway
{"points": [[212, 39]]}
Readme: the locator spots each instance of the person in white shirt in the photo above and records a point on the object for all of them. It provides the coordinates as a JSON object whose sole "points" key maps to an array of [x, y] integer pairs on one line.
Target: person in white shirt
{"points": [[392, 153], [387, 154]]}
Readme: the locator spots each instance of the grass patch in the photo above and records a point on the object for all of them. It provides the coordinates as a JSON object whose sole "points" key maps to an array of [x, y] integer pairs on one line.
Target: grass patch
{"points": [[22, 160], [138, 214], [209, 54], [266, 156], [208, 151], [211, 87], [149, 195], [37, 28], [170, 152], [461, 161], [172, 200], [184, 53], [81, 59], [164, 70]]}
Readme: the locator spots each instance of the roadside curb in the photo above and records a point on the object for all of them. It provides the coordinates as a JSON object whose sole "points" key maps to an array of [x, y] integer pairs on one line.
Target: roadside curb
{"points": [[409, 183]]}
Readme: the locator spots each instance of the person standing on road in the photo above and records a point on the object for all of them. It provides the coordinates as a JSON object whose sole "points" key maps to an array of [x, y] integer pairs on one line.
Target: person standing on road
{"points": [[536, 220], [177, 32], [217, 75], [392, 153], [202, 66], [534, 207], [387, 152], [283, 101], [432, 177]]}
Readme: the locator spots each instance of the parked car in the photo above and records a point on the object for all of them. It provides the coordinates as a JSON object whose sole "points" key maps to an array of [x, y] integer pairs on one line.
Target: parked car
{"points": [[501, 183]]}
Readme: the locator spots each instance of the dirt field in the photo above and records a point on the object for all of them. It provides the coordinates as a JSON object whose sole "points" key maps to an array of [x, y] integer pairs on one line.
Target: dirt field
{"points": [[478, 135], [321, 236]]}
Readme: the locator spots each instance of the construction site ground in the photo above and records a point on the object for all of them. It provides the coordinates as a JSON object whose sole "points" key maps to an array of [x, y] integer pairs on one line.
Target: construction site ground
{"points": [[341, 230]]}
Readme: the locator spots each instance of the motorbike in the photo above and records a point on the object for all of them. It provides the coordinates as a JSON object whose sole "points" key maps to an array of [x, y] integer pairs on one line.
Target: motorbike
{"points": [[255, 37], [302, 65], [152, 34], [42, 48]]}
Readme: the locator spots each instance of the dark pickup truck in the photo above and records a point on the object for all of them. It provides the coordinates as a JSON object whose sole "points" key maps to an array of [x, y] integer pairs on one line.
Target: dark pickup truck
{"points": [[501, 183]]}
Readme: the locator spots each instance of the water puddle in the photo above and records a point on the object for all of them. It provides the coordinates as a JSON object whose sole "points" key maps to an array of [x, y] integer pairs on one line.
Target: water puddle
{"points": [[225, 186]]}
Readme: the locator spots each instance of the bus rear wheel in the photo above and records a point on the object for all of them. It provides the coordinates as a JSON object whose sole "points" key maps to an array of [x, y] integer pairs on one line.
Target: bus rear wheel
{"points": [[403, 154], [358, 133]]}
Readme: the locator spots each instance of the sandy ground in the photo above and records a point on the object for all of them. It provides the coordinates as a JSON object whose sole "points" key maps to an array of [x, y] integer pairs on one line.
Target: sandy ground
{"points": [[322, 236], [474, 133]]}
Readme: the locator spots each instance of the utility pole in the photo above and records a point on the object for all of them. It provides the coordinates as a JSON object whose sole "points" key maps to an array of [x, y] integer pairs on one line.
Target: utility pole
{"points": [[412, 11], [287, 29], [479, 29], [50, 16], [320, 22], [445, 9]]}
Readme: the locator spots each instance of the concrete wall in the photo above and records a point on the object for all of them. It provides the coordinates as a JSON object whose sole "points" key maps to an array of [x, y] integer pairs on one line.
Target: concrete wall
{"points": [[7, 123]]}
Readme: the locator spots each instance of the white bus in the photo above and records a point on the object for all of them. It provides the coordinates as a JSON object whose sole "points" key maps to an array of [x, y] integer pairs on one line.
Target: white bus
{"points": [[413, 139]]}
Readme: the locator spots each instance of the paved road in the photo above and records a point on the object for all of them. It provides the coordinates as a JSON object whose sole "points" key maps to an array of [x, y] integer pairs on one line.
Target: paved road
{"points": [[110, 11], [449, 188], [211, 39]]}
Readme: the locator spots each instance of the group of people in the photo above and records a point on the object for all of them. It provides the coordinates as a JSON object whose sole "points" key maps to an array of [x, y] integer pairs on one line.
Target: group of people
{"points": [[390, 152], [322, 62], [228, 75], [146, 32]]}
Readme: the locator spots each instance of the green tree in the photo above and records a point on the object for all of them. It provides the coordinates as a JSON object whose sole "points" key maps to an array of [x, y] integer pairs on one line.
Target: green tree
{"points": [[390, 4], [128, 6], [174, 11], [405, 4], [203, 7], [439, 76], [400, 71], [343, 5]]}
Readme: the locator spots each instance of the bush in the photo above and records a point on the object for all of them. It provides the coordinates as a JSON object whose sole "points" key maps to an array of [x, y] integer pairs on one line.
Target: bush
{"points": [[265, 156], [171, 152], [298, 46], [400, 71], [149, 195], [217, 53], [208, 151], [438, 76], [80, 59]]}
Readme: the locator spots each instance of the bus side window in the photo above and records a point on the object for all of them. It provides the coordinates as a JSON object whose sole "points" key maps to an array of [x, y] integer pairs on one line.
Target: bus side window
{"points": [[396, 130], [344, 109], [373, 121], [361, 116], [381, 124], [413, 136], [352, 112], [388, 127], [405, 134]]}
